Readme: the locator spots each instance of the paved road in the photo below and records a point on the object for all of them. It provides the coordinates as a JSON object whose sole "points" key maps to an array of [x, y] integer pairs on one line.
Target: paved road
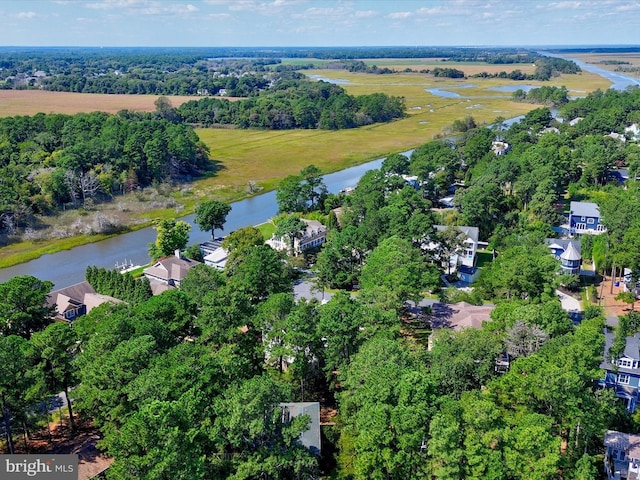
{"points": [[571, 305]]}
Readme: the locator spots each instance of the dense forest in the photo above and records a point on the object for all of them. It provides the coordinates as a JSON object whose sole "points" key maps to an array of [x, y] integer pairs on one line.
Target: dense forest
{"points": [[50, 161], [188, 384]]}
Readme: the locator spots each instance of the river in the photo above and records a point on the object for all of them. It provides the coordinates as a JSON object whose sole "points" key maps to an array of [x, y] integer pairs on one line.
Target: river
{"points": [[67, 267]]}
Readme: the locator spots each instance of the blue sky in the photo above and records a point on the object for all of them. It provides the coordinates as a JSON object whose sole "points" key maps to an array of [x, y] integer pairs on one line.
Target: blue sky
{"points": [[318, 22]]}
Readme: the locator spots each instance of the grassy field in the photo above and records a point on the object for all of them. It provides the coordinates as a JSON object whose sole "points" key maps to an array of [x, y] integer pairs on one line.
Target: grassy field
{"points": [[267, 156]]}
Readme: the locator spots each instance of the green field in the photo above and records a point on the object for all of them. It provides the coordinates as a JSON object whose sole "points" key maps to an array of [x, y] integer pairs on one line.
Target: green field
{"points": [[267, 156]]}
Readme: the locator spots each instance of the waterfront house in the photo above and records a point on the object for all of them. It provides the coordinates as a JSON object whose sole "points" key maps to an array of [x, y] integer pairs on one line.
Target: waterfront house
{"points": [[76, 300], [169, 271], [312, 236]]}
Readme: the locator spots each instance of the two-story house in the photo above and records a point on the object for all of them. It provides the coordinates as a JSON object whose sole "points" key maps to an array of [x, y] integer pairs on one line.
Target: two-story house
{"points": [[168, 272], [313, 235], [568, 252], [584, 217], [622, 374], [622, 455], [76, 300]]}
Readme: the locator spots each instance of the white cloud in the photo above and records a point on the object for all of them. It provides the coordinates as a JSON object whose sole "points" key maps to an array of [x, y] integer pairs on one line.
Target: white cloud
{"points": [[399, 15], [564, 5], [366, 14], [25, 15]]}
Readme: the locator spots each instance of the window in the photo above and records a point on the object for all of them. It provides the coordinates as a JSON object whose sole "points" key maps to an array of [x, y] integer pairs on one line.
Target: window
{"points": [[623, 379], [590, 221], [582, 219], [625, 363]]}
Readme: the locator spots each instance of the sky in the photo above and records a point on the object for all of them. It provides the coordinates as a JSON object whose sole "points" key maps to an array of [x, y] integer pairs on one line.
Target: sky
{"points": [[226, 23]]}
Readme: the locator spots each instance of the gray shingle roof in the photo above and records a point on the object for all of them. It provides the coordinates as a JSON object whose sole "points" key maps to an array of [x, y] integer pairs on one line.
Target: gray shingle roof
{"points": [[585, 209]]}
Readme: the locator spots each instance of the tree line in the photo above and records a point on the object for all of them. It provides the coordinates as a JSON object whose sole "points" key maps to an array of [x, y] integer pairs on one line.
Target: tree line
{"points": [[296, 103]]}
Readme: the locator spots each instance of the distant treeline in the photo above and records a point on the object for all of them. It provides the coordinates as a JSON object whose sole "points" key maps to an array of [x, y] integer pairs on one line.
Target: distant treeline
{"points": [[546, 67], [239, 72], [296, 104]]}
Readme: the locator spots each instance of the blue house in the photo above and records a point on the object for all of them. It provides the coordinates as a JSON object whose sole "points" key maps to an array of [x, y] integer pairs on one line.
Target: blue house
{"points": [[567, 252], [623, 373], [584, 217]]}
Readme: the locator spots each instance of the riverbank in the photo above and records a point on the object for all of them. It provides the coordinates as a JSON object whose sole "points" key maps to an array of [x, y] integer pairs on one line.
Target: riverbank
{"points": [[262, 158]]}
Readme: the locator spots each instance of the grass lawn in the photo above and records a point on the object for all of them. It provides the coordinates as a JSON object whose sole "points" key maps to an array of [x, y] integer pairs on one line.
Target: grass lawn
{"points": [[484, 258]]}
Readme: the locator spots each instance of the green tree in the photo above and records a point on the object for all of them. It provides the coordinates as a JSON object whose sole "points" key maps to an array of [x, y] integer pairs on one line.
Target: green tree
{"points": [[397, 266], [172, 235], [250, 434], [211, 215], [261, 273], [17, 379], [23, 306], [56, 346], [290, 228]]}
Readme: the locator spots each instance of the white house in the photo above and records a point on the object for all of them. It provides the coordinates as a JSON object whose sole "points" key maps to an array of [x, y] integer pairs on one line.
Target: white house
{"points": [[314, 235], [217, 259], [633, 132], [468, 256]]}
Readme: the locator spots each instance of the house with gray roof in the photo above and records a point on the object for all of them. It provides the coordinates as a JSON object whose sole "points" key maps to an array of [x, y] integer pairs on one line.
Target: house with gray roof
{"points": [[567, 251], [584, 218], [622, 374], [310, 438], [169, 271], [76, 300]]}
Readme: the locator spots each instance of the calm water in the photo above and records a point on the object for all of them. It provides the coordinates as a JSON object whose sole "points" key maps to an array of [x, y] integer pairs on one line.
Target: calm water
{"points": [[68, 267], [442, 93]]}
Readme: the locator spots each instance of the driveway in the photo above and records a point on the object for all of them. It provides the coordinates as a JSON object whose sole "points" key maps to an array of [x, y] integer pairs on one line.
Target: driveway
{"points": [[571, 305]]}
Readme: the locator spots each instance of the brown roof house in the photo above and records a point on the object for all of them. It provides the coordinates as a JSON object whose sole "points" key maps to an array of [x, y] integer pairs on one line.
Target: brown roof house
{"points": [[458, 316], [168, 272], [77, 300]]}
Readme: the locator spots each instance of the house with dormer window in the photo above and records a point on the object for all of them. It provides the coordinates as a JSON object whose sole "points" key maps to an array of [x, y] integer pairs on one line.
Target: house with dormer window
{"points": [[622, 374], [584, 218]]}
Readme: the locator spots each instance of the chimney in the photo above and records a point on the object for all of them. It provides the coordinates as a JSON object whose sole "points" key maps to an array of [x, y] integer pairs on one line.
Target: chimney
{"points": [[177, 253]]}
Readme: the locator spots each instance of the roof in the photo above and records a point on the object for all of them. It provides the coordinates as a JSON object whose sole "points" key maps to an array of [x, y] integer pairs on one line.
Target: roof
{"points": [[631, 350], [629, 442], [571, 253], [79, 294], [311, 437], [171, 268], [563, 244], [218, 257], [585, 209], [471, 232], [460, 315], [75, 292]]}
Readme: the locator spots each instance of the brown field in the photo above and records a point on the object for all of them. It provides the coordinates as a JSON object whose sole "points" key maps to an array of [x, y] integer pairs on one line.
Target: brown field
{"points": [[30, 102], [597, 58]]}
